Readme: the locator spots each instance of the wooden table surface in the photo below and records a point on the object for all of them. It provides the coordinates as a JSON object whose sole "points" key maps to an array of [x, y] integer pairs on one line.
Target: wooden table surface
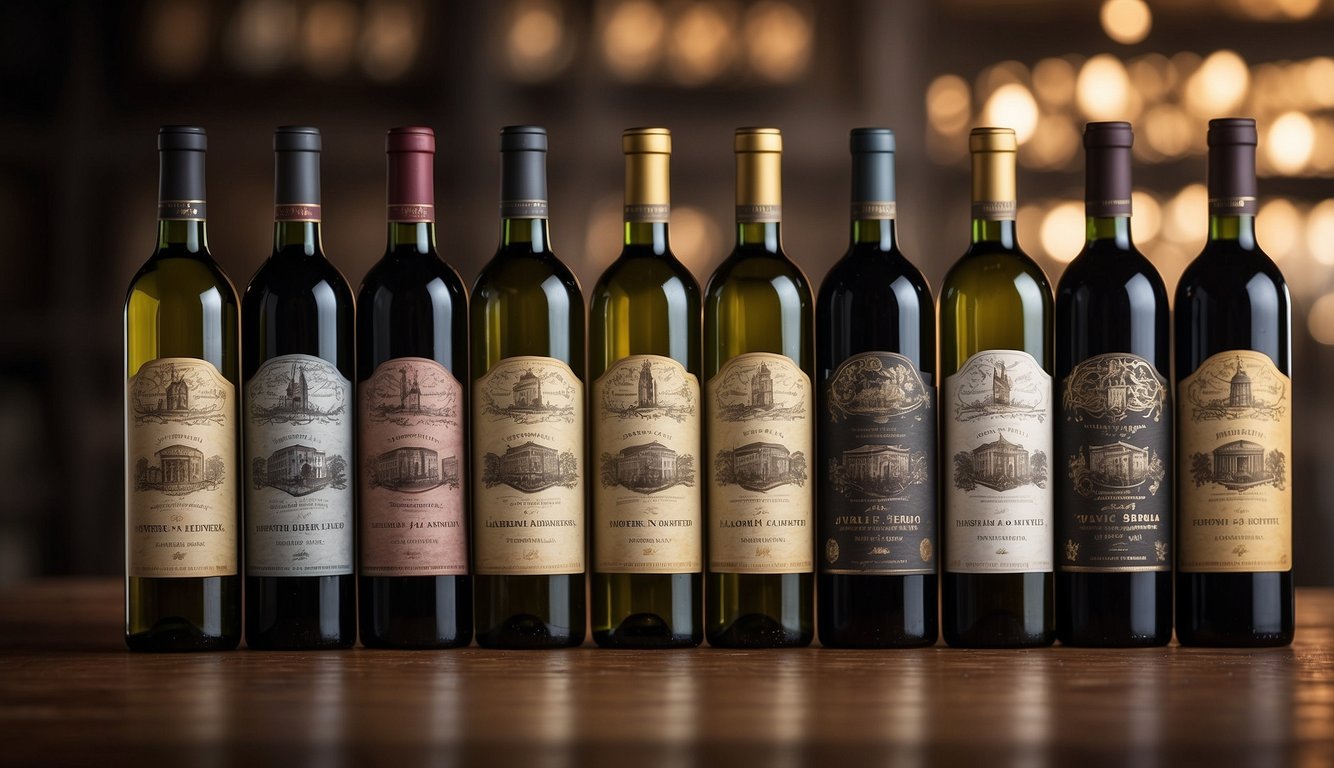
{"points": [[71, 694]]}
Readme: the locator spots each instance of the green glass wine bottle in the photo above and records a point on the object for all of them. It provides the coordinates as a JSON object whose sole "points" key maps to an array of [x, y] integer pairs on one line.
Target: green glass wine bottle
{"points": [[527, 328], [182, 427], [758, 365], [644, 337], [996, 423]]}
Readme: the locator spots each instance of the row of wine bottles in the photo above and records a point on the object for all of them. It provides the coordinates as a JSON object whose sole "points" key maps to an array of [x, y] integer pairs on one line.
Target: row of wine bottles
{"points": [[733, 442]]}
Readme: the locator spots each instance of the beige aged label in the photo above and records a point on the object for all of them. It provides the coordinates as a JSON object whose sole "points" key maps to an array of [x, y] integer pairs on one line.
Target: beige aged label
{"points": [[997, 431], [181, 476], [528, 461], [760, 440], [646, 501], [410, 446], [1234, 444]]}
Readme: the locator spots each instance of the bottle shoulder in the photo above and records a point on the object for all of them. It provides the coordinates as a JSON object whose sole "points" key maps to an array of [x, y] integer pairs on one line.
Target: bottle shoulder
{"points": [[637, 272], [1111, 273], [281, 277], [992, 268], [397, 274], [513, 269], [872, 272], [166, 276], [752, 267]]}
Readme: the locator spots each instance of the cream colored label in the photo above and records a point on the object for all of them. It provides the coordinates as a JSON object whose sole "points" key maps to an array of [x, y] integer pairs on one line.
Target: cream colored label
{"points": [[299, 444], [411, 502], [528, 460], [997, 431], [1234, 444], [760, 439], [181, 477], [646, 501]]}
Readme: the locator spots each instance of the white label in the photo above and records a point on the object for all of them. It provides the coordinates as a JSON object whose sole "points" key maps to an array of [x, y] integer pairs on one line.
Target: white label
{"points": [[298, 467], [997, 512]]}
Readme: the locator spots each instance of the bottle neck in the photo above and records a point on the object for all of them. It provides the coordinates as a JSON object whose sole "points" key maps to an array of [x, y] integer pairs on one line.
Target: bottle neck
{"points": [[530, 233], [296, 237], [994, 231], [411, 237], [878, 232], [1235, 228], [647, 234], [1113, 229], [190, 236], [759, 234]]}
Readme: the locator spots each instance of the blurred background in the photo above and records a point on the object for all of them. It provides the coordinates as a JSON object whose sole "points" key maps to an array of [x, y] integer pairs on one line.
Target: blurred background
{"points": [[84, 86]]}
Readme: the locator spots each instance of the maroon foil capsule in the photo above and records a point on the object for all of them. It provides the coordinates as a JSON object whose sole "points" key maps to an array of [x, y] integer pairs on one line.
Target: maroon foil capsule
{"points": [[410, 154]]}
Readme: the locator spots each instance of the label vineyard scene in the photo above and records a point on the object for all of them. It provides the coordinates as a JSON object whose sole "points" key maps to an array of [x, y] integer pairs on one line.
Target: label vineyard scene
{"points": [[648, 392], [413, 395], [1109, 388], [297, 394], [752, 390], [865, 386], [1227, 390], [988, 388], [523, 396]]}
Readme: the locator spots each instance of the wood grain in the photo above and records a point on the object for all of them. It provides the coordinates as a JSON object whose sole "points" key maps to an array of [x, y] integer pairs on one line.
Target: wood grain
{"points": [[71, 694]]}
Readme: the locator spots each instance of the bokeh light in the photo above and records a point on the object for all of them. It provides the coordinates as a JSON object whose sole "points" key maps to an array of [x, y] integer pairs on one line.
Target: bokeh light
{"points": [[1290, 141], [536, 39], [1321, 320], [1320, 232], [1062, 234], [1013, 105], [1147, 216], [632, 38], [178, 38], [778, 40], [702, 43], [1186, 216], [948, 106], [1279, 227], [1103, 88], [1219, 85], [329, 36], [1054, 82], [1126, 21], [259, 38]]}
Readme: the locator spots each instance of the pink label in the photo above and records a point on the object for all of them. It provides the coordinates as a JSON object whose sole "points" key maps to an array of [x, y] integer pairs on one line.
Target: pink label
{"points": [[412, 508]]}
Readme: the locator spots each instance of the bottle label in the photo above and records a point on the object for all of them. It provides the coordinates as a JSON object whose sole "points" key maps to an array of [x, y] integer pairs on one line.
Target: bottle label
{"points": [[296, 212], [528, 453], [1235, 442], [411, 502], [299, 493], [181, 475], [524, 209], [647, 213], [878, 514], [759, 214], [646, 504], [411, 213], [1116, 497], [886, 210], [182, 210], [760, 443], [998, 498]]}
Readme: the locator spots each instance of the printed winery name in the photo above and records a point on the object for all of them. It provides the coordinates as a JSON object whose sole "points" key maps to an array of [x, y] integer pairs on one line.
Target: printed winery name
{"points": [[877, 520], [416, 524], [1035, 521], [1112, 517], [211, 528], [1240, 433], [650, 523], [299, 527], [1219, 521], [531, 524], [762, 523]]}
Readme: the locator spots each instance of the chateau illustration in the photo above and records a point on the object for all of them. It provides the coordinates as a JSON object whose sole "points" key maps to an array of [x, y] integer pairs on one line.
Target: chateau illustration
{"points": [[648, 388], [1239, 465], [528, 392], [1000, 465], [1239, 389], [409, 394], [762, 388], [180, 394], [413, 469], [869, 386], [177, 399], [995, 385], [297, 397], [647, 468], [878, 470], [530, 467], [1119, 464], [1000, 386], [298, 470], [760, 466], [179, 470]]}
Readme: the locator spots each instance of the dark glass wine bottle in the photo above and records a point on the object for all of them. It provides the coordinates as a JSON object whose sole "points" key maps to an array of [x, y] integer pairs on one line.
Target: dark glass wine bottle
{"points": [[1234, 419], [876, 359], [758, 365], [528, 421], [182, 433], [412, 360], [299, 364], [1114, 422], [996, 426], [644, 337]]}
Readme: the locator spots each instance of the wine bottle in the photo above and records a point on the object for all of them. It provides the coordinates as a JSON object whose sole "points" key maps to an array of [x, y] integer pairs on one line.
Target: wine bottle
{"points": [[876, 350], [1234, 419], [996, 425], [182, 363], [298, 360], [412, 357], [644, 336], [758, 366], [1114, 425], [528, 421]]}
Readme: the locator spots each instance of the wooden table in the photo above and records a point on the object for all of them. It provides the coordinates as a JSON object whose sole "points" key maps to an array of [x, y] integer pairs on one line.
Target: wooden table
{"points": [[71, 694]]}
